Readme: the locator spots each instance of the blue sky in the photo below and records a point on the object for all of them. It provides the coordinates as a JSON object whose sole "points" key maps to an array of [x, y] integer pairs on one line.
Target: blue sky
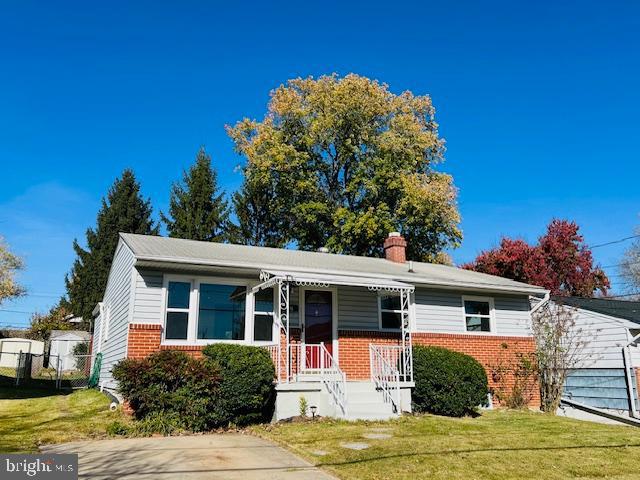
{"points": [[538, 104]]}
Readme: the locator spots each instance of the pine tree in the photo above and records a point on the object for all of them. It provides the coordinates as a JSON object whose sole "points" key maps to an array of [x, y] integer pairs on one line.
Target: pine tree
{"points": [[258, 224], [197, 208], [123, 210]]}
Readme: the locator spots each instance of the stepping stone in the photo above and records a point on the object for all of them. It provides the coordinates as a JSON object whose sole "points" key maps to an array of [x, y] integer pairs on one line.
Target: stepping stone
{"points": [[355, 446], [319, 453], [377, 436], [380, 429]]}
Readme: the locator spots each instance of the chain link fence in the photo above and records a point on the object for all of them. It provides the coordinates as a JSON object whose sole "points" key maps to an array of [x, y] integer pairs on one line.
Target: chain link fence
{"points": [[66, 371]]}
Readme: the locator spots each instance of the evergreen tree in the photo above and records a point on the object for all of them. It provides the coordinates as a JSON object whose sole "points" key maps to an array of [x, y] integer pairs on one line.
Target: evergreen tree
{"points": [[123, 210], [197, 209], [258, 222]]}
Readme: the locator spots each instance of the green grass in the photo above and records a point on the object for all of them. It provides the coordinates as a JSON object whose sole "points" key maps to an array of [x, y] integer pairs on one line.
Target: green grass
{"points": [[498, 445], [29, 418]]}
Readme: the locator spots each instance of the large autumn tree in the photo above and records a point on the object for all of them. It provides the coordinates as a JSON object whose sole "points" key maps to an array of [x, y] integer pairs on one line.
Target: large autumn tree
{"points": [[197, 207], [342, 161], [123, 210], [560, 262]]}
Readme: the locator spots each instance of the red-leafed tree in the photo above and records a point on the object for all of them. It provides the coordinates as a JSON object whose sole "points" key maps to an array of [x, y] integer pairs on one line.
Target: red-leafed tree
{"points": [[560, 262]]}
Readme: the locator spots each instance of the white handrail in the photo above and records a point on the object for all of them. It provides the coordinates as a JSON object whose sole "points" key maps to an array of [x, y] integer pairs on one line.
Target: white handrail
{"points": [[334, 379], [277, 358], [398, 358], [315, 359], [385, 374]]}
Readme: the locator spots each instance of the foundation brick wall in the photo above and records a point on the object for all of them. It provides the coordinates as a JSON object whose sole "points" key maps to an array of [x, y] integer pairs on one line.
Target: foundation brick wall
{"points": [[144, 339], [353, 345], [354, 350]]}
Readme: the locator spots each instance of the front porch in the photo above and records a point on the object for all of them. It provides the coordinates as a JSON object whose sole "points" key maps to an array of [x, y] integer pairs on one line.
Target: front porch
{"points": [[344, 372]]}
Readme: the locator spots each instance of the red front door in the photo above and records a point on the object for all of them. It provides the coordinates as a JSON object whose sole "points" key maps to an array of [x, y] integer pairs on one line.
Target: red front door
{"points": [[318, 325]]}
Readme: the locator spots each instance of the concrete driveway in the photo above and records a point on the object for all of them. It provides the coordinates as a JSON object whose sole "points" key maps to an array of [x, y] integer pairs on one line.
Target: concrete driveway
{"points": [[229, 456]]}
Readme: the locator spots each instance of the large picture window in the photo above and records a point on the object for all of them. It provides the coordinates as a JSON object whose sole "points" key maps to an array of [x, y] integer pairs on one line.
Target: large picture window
{"points": [[390, 312], [263, 315], [177, 320], [477, 315], [221, 312]]}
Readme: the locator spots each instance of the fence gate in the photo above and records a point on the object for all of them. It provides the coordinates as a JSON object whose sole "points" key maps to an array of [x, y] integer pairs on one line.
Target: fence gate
{"points": [[67, 371]]}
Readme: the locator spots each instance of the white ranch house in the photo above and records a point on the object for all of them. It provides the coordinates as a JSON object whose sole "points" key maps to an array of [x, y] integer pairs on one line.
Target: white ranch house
{"points": [[339, 328]]}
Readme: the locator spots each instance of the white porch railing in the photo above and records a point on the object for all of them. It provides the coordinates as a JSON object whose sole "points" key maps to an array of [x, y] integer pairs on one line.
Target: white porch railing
{"points": [[315, 359], [400, 358], [277, 358], [385, 374]]}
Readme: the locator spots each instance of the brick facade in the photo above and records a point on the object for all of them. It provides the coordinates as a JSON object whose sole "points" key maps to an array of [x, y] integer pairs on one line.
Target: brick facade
{"points": [[487, 349], [144, 339], [353, 346]]}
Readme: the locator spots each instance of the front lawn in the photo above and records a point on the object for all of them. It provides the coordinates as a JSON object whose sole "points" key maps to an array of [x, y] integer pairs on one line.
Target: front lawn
{"points": [[29, 418], [498, 445]]}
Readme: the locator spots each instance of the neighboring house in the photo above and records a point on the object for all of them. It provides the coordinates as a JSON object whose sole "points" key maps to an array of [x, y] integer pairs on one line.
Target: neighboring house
{"points": [[609, 362], [10, 349], [62, 344], [339, 327]]}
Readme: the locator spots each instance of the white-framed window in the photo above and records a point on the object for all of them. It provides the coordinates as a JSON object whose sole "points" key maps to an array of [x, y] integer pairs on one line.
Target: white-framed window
{"points": [[263, 312], [478, 314], [389, 311], [221, 311], [177, 314], [203, 310]]}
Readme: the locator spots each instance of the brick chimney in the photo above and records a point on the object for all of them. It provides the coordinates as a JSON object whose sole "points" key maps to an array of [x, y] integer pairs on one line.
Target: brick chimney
{"points": [[395, 248]]}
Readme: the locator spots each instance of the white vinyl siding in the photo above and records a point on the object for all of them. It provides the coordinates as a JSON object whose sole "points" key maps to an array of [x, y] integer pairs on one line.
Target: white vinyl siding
{"points": [[441, 311], [357, 309], [116, 302], [602, 338], [95, 348], [147, 306], [512, 315]]}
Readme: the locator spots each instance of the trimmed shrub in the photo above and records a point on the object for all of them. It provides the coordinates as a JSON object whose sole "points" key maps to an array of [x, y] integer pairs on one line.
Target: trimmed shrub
{"points": [[171, 384], [247, 391], [447, 382]]}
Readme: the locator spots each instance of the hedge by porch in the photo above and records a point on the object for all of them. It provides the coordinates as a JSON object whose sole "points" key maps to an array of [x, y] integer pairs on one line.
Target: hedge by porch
{"points": [[447, 382], [231, 384]]}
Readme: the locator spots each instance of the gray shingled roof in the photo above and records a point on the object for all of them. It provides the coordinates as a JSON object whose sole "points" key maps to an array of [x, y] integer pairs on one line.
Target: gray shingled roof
{"points": [[614, 308], [172, 250], [79, 333]]}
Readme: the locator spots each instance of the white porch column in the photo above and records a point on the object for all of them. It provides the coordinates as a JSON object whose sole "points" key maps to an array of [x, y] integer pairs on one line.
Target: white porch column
{"points": [[283, 316], [407, 352]]}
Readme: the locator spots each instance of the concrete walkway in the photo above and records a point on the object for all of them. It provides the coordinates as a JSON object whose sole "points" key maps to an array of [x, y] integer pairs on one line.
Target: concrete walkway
{"points": [[229, 456]]}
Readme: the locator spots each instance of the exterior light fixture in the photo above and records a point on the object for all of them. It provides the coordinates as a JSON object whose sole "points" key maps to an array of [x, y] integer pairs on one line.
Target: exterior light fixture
{"points": [[313, 409]]}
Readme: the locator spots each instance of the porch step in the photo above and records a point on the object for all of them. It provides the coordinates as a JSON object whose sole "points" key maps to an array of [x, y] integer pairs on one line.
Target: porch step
{"points": [[365, 402]]}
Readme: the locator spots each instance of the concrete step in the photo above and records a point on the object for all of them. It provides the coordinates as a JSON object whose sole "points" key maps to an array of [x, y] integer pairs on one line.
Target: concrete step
{"points": [[361, 387], [371, 417], [369, 407]]}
